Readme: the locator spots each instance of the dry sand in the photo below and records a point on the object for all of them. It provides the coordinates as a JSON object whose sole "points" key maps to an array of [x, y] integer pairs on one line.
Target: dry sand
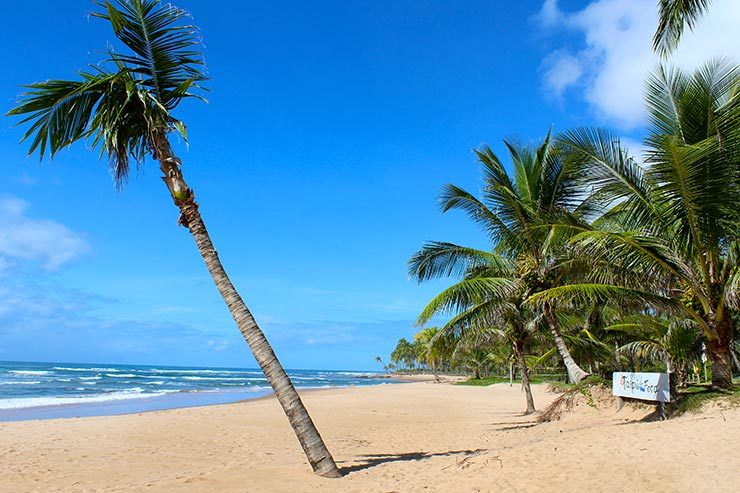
{"points": [[403, 438]]}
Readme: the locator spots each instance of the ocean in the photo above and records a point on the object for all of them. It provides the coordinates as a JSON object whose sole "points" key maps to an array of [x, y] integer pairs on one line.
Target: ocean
{"points": [[62, 390]]}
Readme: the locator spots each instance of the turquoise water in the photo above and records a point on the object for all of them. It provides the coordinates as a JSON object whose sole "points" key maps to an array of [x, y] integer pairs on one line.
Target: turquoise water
{"points": [[55, 390]]}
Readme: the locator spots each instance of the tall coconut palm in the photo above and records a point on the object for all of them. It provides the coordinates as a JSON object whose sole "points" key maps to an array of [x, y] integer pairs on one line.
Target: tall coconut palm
{"points": [[515, 211], [126, 109], [674, 222], [673, 17]]}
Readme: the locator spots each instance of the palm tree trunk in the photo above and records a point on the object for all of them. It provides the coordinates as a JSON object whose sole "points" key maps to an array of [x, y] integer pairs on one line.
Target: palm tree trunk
{"points": [[519, 349], [718, 350], [575, 373], [318, 455]]}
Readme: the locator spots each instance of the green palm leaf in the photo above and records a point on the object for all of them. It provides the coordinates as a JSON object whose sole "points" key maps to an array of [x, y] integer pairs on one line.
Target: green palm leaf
{"points": [[674, 17], [165, 52], [467, 293], [442, 259]]}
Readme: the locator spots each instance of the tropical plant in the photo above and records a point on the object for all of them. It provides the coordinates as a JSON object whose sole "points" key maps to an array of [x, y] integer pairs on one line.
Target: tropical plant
{"points": [[673, 344], [426, 353], [125, 108], [486, 319], [379, 360], [673, 17], [669, 239], [404, 354], [515, 211]]}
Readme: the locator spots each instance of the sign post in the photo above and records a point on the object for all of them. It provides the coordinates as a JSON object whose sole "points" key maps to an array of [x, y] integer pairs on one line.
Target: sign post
{"points": [[643, 386]]}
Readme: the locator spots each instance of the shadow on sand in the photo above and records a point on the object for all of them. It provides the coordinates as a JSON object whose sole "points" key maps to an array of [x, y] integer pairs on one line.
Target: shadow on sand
{"points": [[372, 460], [516, 426]]}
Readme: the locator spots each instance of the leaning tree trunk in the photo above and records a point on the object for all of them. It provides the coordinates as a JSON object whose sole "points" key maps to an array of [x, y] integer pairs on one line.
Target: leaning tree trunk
{"points": [[519, 350], [718, 350], [575, 373], [318, 455]]}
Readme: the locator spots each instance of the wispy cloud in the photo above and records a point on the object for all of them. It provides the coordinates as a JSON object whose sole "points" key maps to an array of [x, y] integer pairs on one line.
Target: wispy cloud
{"points": [[607, 61], [43, 241], [550, 14], [65, 320], [561, 71]]}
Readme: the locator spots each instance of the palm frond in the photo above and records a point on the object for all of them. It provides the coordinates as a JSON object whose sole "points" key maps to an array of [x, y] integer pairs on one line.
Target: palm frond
{"points": [[467, 293], [454, 197], [589, 294], [60, 111], [480, 322], [120, 107], [674, 16], [611, 174], [166, 52], [441, 259]]}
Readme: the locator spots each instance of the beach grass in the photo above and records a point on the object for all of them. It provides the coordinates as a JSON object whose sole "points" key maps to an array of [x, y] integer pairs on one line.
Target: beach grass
{"points": [[694, 397], [490, 380]]}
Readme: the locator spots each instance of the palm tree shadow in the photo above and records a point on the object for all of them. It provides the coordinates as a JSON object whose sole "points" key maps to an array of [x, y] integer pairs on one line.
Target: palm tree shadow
{"points": [[372, 460], [517, 426]]}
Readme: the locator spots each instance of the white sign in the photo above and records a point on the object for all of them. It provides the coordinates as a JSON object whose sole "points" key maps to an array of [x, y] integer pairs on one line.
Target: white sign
{"points": [[647, 386]]}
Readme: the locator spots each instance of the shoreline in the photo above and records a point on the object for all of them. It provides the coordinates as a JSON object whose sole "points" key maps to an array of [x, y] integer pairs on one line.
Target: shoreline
{"points": [[32, 391], [411, 437], [150, 403]]}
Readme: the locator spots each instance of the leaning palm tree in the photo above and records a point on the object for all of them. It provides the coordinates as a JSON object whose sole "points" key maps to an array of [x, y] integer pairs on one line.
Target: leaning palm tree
{"points": [[515, 212], [673, 17], [125, 108], [672, 225]]}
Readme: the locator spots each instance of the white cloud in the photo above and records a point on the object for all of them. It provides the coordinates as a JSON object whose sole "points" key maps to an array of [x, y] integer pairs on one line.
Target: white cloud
{"points": [[562, 70], [549, 15], [40, 240], [615, 54]]}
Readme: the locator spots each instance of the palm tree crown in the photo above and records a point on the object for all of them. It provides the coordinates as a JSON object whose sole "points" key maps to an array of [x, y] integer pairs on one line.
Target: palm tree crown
{"points": [[672, 223], [125, 104]]}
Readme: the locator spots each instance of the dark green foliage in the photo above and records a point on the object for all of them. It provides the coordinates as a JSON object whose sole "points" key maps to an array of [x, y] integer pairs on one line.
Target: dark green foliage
{"points": [[120, 104]]}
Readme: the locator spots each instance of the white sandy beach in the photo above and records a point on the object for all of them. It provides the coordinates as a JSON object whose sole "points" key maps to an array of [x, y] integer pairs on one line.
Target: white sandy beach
{"points": [[403, 438]]}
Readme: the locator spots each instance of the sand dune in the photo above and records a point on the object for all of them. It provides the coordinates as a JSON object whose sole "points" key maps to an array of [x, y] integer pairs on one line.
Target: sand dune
{"points": [[406, 438]]}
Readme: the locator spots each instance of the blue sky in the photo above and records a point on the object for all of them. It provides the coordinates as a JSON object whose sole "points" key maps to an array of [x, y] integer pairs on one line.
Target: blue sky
{"points": [[330, 128]]}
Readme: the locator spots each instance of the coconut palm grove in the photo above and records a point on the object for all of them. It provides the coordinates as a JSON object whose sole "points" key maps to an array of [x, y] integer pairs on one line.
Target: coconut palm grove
{"points": [[574, 257], [630, 260]]}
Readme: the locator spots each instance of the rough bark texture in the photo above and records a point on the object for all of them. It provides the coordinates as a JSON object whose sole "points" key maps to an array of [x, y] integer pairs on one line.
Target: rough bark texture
{"points": [[718, 350], [575, 372], [308, 436], [519, 349]]}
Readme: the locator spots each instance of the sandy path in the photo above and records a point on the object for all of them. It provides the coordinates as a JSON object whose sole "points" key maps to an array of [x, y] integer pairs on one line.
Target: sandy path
{"points": [[404, 438]]}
